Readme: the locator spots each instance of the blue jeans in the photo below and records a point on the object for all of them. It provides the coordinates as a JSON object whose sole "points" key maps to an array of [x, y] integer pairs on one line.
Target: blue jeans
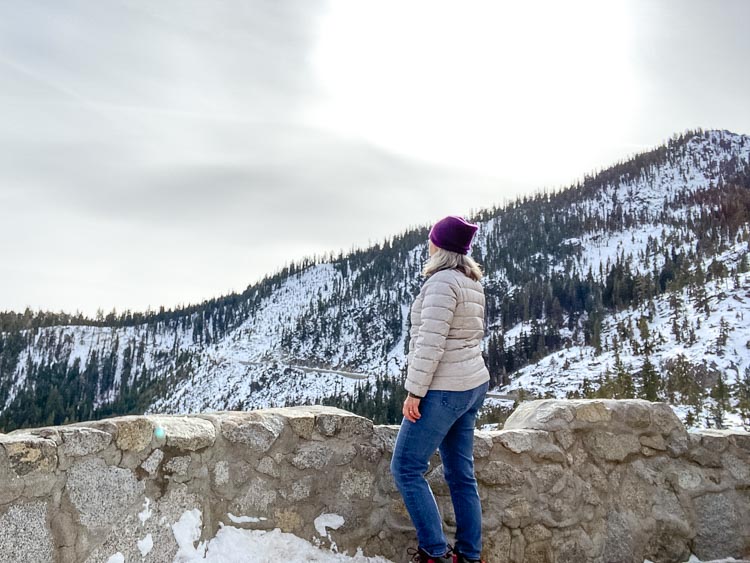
{"points": [[447, 423]]}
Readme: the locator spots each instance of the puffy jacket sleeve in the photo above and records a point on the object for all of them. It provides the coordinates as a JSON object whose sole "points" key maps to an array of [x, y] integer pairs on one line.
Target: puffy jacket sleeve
{"points": [[438, 305]]}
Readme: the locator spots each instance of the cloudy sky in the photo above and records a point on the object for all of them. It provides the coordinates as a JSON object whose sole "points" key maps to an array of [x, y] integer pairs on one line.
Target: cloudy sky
{"points": [[164, 152]]}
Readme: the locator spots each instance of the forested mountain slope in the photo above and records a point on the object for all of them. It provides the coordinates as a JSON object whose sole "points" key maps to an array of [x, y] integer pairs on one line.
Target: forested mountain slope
{"points": [[633, 282]]}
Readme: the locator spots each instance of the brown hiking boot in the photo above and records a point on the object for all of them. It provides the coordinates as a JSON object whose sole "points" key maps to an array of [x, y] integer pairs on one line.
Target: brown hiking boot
{"points": [[420, 556]]}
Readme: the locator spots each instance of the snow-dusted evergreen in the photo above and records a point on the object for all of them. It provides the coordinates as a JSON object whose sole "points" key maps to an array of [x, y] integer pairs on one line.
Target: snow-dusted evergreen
{"points": [[633, 282]]}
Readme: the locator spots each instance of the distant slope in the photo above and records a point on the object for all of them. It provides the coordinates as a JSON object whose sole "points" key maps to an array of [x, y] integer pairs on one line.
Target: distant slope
{"points": [[660, 239]]}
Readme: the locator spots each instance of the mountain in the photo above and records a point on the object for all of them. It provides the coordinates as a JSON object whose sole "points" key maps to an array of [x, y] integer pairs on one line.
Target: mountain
{"points": [[632, 282]]}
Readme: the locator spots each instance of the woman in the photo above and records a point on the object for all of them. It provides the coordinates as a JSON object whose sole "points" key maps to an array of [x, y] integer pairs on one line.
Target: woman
{"points": [[447, 380]]}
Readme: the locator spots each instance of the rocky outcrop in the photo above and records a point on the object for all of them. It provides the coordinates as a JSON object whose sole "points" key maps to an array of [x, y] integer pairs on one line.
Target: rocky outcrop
{"points": [[577, 481]]}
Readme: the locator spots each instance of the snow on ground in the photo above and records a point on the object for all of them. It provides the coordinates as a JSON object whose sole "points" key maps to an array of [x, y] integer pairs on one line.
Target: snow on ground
{"points": [[237, 545]]}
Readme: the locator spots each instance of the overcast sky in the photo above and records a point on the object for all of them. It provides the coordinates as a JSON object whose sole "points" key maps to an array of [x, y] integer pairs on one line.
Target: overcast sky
{"points": [[166, 152]]}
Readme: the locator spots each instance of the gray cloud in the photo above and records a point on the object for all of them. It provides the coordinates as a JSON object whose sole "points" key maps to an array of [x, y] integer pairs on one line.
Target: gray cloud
{"points": [[157, 152], [692, 57], [154, 153]]}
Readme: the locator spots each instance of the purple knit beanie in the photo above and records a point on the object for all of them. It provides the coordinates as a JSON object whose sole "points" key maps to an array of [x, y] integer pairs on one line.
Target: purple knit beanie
{"points": [[453, 233]]}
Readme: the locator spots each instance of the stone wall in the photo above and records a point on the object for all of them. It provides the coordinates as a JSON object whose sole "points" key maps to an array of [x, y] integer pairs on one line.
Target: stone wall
{"points": [[574, 481]]}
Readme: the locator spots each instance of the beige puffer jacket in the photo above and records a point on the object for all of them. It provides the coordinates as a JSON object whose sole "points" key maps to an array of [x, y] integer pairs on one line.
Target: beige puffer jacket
{"points": [[447, 327]]}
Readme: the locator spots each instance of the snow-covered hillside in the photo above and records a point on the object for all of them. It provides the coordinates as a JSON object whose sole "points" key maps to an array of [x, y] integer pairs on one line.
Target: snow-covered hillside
{"points": [[223, 381], [652, 220], [561, 373]]}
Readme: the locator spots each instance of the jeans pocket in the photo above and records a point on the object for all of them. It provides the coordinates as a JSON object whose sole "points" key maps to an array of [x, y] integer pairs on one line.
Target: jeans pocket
{"points": [[456, 400]]}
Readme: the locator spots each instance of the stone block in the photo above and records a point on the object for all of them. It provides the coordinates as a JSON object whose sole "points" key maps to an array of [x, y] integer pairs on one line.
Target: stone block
{"points": [[635, 414], [11, 485], [536, 443], [81, 441], [134, 433], [686, 477], [344, 454], [539, 552], [268, 466], [300, 419], [593, 412], [436, 479], [542, 414], [547, 476], [482, 444], [300, 489], [151, 465], [517, 545], [704, 457], [312, 455], [187, 433], [497, 545], [575, 546], [255, 429], [27, 453], [328, 424], [258, 496], [221, 473], [621, 416], [287, 520], [355, 425], [566, 438], [741, 440], [370, 453], [357, 484], [677, 442], [719, 519], [655, 442], [24, 535], [501, 474], [670, 541], [663, 418], [536, 533], [326, 421], [178, 465], [518, 441], [715, 440], [518, 513], [622, 543], [384, 437], [738, 468], [102, 494], [610, 446]]}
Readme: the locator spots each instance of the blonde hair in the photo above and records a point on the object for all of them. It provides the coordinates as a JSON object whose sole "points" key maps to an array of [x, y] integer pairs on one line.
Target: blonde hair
{"points": [[443, 259]]}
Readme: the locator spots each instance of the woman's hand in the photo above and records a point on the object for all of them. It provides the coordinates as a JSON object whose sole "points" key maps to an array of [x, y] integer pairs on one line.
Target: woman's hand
{"points": [[411, 409]]}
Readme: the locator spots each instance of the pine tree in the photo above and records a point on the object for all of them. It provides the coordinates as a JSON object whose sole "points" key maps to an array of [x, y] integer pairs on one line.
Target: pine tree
{"points": [[623, 386], [649, 381], [645, 334], [720, 395], [721, 340]]}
